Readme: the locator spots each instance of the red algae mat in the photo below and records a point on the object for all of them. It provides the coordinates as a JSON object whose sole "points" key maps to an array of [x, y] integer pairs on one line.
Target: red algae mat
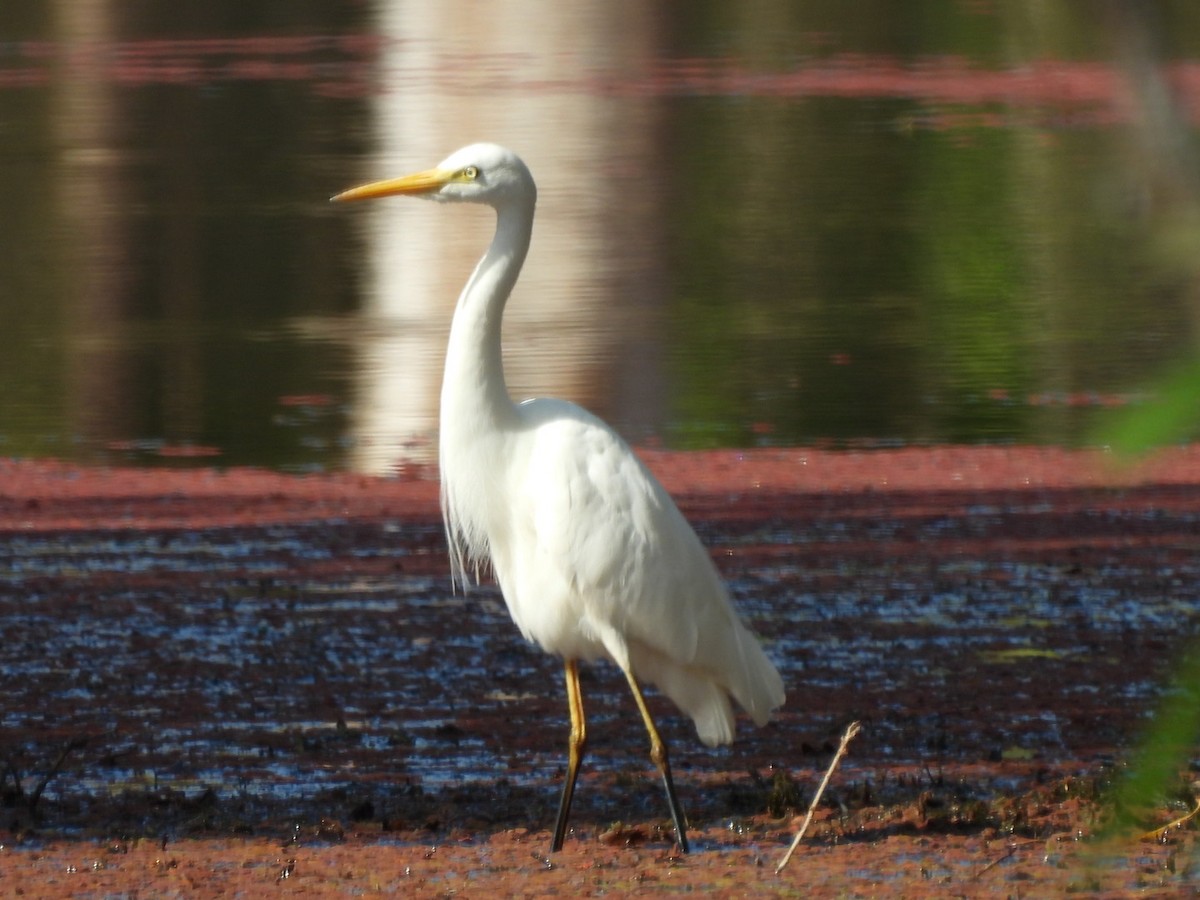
{"points": [[232, 683]]}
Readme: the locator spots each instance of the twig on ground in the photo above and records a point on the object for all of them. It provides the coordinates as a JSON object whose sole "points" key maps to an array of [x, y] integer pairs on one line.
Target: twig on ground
{"points": [[68, 748], [1158, 833], [851, 731], [1010, 852], [30, 800]]}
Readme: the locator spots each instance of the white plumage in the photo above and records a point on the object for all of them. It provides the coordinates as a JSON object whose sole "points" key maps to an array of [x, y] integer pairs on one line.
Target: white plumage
{"points": [[591, 554]]}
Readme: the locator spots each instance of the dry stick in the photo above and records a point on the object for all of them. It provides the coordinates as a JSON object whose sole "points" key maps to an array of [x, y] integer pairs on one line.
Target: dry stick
{"points": [[1159, 833], [1011, 851], [73, 744], [851, 731]]}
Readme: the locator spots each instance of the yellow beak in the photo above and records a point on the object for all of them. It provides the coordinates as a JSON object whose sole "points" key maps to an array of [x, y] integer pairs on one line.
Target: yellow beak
{"points": [[418, 183]]}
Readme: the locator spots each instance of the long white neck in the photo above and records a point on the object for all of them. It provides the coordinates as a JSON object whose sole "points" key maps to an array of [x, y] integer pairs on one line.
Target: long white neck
{"points": [[477, 413], [474, 393]]}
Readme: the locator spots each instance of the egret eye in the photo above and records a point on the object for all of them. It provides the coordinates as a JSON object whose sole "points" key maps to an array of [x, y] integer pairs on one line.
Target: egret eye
{"points": [[470, 173]]}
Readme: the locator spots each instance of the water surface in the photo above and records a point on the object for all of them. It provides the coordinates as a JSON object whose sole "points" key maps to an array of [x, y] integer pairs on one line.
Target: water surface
{"points": [[778, 223]]}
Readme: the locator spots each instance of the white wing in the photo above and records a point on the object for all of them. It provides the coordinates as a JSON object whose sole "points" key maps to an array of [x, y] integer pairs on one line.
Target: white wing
{"points": [[608, 560]]}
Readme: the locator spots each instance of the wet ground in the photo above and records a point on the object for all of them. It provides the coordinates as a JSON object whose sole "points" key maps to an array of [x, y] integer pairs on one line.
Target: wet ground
{"points": [[214, 682]]}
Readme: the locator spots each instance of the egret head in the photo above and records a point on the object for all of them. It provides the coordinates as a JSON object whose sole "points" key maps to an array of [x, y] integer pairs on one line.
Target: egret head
{"points": [[478, 173]]}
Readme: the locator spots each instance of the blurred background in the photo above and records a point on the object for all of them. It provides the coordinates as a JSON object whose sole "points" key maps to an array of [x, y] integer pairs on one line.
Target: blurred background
{"points": [[761, 223]]}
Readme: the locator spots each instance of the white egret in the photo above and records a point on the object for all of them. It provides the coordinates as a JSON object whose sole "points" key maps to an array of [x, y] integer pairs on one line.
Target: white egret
{"points": [[591, 554]]}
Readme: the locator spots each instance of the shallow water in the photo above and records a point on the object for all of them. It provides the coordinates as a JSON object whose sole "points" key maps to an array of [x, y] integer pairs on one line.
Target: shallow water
{"points": [[286, 664]]}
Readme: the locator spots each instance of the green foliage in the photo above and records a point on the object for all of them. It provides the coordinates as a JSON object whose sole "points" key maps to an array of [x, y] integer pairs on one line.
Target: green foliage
{"points": [[1170, 414], [1163, 751]]}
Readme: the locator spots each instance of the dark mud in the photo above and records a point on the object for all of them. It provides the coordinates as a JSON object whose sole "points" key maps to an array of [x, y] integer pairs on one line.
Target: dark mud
{"points": [[245, 663]]}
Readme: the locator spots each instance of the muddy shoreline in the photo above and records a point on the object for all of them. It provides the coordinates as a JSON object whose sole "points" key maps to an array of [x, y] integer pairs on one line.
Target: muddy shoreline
{"points": [[241, 668]]}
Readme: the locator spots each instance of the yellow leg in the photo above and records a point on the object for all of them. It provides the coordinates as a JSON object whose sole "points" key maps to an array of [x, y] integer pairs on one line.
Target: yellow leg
{"points": [[575, 747], [658, 753]]}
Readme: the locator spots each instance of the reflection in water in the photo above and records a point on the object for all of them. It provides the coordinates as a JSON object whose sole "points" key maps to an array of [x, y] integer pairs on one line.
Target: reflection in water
{"points": [[586, 301], [90, 197], [765, 222]]}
